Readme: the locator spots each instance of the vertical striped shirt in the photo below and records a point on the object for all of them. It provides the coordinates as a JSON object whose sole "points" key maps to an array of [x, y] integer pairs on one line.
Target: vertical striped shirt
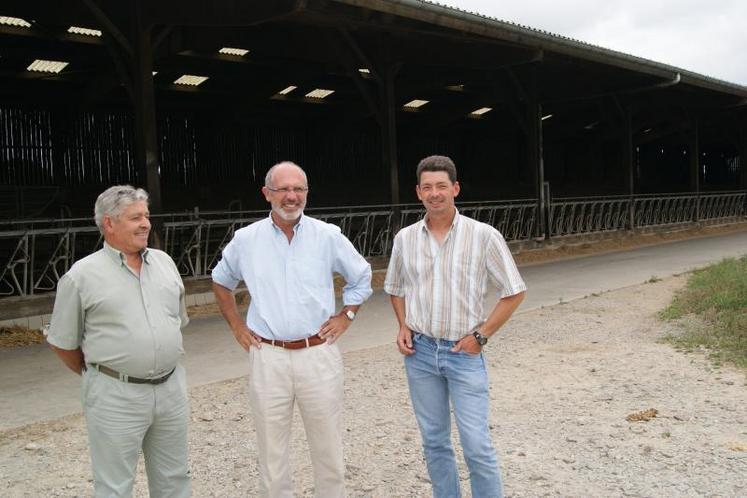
{"points": [[444, 286]]}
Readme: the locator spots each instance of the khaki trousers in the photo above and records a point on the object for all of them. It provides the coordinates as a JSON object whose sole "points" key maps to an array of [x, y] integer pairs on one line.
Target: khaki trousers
{"points": [[124, 418], [312, 378]]}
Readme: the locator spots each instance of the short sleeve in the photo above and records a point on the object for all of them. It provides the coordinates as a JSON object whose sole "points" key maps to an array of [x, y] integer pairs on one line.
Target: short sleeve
{"points": [[68, 318], [502, 267], [393, 283]]}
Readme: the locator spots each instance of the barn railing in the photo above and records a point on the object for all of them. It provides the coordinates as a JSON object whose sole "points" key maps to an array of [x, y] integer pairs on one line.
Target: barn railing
{"points": [[570, 216], [34, 254]]}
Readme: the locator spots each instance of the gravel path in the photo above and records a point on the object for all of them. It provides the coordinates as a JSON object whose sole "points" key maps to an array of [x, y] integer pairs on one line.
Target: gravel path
{"points": [[564, 378]]}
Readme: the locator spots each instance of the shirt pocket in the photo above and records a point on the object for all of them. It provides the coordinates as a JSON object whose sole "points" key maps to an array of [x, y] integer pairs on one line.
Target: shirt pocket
{"points": [[314, 278], [170, 292]]}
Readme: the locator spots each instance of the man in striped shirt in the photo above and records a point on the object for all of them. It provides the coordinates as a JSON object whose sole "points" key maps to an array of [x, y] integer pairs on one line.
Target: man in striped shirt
{"points": [[437, 279]]}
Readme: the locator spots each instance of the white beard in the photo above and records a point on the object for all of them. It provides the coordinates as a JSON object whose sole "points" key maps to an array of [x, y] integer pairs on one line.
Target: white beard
{"points": [[289, 215]]}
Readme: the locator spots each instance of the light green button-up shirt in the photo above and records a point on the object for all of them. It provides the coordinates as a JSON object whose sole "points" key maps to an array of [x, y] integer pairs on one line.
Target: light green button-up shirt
{"points": [[121, 320]]}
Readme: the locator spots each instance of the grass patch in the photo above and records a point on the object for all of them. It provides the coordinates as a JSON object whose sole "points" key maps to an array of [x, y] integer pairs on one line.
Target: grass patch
{"points": [[712, 309]]}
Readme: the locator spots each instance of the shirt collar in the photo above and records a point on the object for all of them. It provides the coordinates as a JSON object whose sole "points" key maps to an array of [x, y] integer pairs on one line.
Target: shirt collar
{"points": [[119, 257], [424, 225]]}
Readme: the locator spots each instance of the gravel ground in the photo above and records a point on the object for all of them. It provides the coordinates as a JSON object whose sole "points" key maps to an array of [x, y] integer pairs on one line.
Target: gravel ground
{"points": [[564, 379]]}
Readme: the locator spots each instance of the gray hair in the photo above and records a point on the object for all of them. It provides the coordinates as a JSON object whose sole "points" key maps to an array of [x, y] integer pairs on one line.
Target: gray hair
{"points": [[112, 201], [271, 171]]}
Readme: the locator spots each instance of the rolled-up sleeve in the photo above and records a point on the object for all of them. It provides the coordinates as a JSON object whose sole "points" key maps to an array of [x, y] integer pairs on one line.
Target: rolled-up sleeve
{"points": [[354, 268], [502, 268], [68, 318], [226, 272], [393, 283]]}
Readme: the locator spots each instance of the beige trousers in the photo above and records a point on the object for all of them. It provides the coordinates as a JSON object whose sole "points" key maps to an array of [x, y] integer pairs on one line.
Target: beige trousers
{"points": [[312, 378]]}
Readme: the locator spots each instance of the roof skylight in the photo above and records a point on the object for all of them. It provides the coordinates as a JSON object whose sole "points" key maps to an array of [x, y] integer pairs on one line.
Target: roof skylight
{"points": [[319, 93], [14, 21], [241, 52], [416, 104], [84, 31], [480, 111], [45, 66], [190, 80]]}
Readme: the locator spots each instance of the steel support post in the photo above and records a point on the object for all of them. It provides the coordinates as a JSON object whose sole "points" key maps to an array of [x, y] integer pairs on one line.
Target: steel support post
{"points": [[146, 141], [695, 167], [627, 148]]}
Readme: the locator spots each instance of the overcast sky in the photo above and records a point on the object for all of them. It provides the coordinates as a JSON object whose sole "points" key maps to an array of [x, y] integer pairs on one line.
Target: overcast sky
{"points": [[704, 36]]}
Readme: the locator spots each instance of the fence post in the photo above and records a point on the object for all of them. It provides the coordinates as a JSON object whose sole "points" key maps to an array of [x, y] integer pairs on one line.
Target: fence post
{"points": [[547, 210], [627, 143], [695, 167], [631, 212]]}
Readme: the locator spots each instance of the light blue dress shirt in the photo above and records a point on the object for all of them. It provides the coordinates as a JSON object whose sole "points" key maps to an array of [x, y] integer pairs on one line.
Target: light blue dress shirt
{"points": [[291, 284]]}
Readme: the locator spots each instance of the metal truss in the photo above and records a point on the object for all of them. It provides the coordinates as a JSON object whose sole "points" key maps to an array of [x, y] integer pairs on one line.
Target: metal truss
{"points": [[36, 253]]}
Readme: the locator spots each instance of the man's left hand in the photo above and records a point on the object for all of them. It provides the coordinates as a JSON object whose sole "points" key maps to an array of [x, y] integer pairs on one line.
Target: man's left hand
{"points": [[468, 344], [334, 327]]}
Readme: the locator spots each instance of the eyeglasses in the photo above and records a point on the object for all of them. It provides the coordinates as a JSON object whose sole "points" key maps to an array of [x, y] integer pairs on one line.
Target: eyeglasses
{"points": [[288, 190]]}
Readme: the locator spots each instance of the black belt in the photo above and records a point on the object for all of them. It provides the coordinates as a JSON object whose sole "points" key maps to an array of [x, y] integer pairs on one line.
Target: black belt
{"points": [[126, 378]]}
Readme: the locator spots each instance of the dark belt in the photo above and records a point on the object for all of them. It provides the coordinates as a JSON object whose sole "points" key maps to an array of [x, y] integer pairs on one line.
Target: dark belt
{"points": [[126, 378], [314, 340]]}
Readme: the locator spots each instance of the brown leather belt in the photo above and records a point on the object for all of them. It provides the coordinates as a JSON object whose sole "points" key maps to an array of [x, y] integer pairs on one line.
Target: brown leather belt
{"points": [[314, 340], [126, 378]]}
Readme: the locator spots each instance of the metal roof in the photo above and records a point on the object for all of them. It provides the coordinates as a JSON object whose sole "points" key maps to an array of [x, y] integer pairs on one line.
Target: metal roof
{"points": [[445, 15]]}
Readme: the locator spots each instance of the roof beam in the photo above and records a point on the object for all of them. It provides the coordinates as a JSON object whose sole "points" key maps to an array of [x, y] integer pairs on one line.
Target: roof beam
{"points": [[110, 27]]}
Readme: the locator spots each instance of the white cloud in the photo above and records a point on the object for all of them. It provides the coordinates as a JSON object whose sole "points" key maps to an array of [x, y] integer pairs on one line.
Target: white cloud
{"points": [[703, 36]]}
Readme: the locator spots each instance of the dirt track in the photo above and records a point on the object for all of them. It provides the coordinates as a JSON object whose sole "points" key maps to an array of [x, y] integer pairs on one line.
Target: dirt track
{"points": [[564, 379]]}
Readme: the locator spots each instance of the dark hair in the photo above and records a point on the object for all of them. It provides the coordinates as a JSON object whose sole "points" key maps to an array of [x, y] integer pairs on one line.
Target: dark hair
{"points": [[437, 163]]}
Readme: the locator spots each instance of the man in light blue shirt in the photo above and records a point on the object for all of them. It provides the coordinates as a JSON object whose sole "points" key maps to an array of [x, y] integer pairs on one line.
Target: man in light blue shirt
{"points": [[287, 262]]}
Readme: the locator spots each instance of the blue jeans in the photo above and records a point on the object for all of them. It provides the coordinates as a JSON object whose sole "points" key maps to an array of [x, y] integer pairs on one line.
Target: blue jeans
{"points": [[436, 376]]}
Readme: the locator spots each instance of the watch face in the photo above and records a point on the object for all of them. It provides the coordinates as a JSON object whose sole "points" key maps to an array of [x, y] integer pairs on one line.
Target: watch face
{"points": [[481, 340], [350, 314]]}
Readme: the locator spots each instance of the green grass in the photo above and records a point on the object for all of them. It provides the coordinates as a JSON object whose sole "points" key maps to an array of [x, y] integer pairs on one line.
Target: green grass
{"points": [[713, 310]]}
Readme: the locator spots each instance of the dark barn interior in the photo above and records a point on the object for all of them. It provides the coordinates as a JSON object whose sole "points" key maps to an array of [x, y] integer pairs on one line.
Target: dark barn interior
{"points": [[586, 120]]}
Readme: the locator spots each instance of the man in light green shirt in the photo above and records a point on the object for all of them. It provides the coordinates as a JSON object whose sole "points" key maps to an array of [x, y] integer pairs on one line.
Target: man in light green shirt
{"points": [[117, 321]]}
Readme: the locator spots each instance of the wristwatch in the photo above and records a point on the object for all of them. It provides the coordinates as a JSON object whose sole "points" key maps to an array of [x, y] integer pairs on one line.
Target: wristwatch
{"points": [[481, 339], [350, 314]]}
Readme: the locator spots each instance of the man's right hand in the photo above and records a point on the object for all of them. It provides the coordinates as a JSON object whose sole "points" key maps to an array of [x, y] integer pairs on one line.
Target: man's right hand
{"points": [[404, 341], [246, 338]]}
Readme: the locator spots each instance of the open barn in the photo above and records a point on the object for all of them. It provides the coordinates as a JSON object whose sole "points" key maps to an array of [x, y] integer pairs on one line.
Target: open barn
{"points": [[195, 100]]}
